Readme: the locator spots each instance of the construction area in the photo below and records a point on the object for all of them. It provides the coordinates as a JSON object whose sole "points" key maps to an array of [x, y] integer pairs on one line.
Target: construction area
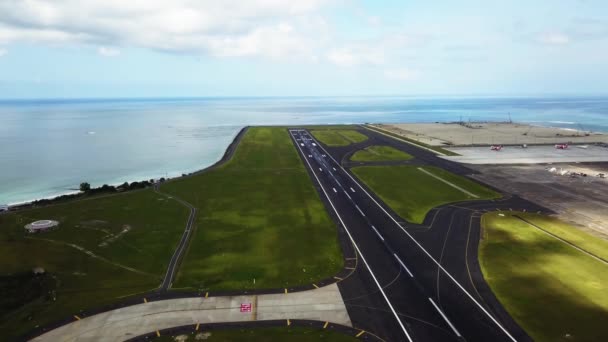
{"points": [[490, 133], [578, 193]]}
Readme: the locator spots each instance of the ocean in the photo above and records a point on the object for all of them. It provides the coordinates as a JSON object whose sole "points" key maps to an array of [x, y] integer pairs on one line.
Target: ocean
{"points": [[48, 147]]}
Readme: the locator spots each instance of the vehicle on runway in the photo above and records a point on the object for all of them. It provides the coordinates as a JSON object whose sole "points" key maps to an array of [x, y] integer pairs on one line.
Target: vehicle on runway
{"points": [[496, 148], [561, 146]]}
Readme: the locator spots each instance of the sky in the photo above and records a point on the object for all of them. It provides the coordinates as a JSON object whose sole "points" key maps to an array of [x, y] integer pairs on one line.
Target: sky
{"points": [[174, 48]]}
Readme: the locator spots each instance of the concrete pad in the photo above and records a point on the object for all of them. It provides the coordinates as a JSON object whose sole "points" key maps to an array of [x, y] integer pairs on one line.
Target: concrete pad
{"points": [[323, 304], [530, 155], [489, 133], [581, 201]]}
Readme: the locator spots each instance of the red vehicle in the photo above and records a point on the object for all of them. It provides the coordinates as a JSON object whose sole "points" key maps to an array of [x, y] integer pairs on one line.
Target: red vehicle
{"points": [[496, 148], [561, 146]]}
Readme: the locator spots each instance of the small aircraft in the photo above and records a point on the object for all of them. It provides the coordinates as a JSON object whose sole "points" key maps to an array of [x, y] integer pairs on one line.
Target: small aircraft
{"points": [[496, 148], [561, 146]]}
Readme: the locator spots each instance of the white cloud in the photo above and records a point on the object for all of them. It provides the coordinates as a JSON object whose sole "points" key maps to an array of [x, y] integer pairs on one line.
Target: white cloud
{"points": [[554, 38], [378, 51], [267, 28], [356, 55], [401, 74], [3, 52], [108, 51]]}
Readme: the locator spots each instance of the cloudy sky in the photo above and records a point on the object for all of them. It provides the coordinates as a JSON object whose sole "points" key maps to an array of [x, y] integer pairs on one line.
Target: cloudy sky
{"points": [[117, 48]]}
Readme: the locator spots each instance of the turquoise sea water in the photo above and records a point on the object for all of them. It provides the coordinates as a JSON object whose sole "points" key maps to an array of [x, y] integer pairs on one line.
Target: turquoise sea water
{"points": [[48, 147]]}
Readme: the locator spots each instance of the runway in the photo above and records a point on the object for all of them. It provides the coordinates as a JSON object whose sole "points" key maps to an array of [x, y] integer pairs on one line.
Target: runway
{"points": [[414, 282]]}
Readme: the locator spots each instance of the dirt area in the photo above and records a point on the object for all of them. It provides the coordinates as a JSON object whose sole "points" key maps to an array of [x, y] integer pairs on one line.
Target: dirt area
{"points": [[441, 134], [580, 200], [533, 154]]}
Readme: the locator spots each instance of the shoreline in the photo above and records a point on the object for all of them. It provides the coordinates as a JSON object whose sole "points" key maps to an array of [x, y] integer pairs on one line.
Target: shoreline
{"points": [[241, 130], [228, 151]]}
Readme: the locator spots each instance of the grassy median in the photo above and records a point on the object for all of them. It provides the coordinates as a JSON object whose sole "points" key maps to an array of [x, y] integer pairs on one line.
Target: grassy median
{"points": [[411, 192], [292, 334], [338, 137], [261, 224], [380, 153], [554, 291], [104, 249]]}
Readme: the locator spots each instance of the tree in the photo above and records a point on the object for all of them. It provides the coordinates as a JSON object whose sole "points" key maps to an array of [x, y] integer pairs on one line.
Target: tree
{"points": [[84, 187]]}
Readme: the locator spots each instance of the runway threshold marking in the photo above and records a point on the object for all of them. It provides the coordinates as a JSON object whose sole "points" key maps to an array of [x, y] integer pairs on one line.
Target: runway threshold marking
{"points": [[403, 265], [378, 233], [448, 183], [503, 329], [445, 318], [360, 333], [325, 325], [388, 302]]}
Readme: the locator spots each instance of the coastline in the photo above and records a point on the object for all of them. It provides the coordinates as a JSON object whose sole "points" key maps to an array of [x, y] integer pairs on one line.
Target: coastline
{"points": [[235, 138], [228, 151]]}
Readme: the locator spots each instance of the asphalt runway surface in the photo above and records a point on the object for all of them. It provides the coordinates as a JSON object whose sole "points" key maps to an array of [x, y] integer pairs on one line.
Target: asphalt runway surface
{"points": [[412, 282]]}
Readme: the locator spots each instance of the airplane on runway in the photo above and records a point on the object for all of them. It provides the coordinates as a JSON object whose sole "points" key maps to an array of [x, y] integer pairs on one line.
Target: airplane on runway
{"points": [[496, 148], [561, 146]]}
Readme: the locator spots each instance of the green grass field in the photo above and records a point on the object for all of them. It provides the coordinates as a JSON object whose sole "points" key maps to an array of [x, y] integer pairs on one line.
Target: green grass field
{"points": [[259, 218], [292, 334], [338, 137], [397, 136], [411, 193], [555, 292], [380, 153], [132, 235]]}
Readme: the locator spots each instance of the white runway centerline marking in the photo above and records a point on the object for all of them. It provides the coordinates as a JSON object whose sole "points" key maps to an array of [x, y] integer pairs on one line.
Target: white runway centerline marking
{"points": [[390, 305], [403, 265], [378, 233], [347, 195], [445, 318], [334, 169], [351, 189], [503, 329], [356, 206], [320, 169], [336, 191]]}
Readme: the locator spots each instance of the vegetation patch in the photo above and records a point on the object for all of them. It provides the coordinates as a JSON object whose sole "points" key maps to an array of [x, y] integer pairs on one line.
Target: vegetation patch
{"points": [[338, 137], [292, 334], [86, 273], [411, 192], [260, 222], [380, 153], [415, 142], [554, 291]]}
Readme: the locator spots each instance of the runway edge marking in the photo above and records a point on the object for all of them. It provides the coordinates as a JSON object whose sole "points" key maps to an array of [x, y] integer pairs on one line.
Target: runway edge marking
{"points": [[356, 246], [424, 250]]}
